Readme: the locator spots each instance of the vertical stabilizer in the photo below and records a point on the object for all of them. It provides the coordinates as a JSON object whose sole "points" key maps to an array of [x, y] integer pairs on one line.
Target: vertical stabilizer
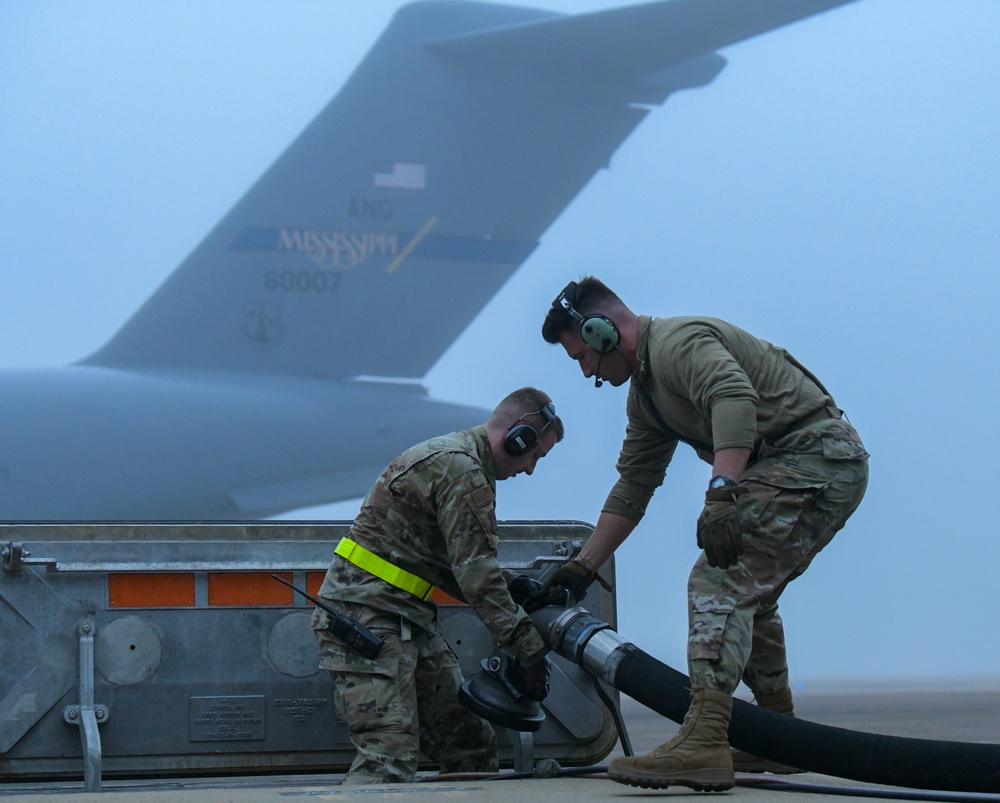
{"points": [[380, 233]]}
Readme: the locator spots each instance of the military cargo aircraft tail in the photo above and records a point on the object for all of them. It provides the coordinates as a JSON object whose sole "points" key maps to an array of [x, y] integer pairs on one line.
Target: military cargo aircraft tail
{"points": [[279, 366], [382, 231]]}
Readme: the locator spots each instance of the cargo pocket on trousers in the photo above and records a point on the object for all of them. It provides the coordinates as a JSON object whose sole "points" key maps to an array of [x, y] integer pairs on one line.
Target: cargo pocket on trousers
{"points": [[335, 656], [769, 512], [708, 624]]}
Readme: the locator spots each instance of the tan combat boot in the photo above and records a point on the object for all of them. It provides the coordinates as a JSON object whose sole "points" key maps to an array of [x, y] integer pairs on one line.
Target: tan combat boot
{"points": [[780, 703], [697, 757]]}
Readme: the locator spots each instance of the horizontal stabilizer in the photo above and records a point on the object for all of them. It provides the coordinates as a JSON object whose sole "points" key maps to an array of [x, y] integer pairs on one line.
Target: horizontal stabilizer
{"points": [[632, 41]]}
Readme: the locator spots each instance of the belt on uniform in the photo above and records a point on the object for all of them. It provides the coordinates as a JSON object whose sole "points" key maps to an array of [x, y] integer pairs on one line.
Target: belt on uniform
{"points": [[823, 413], [382, 569]]}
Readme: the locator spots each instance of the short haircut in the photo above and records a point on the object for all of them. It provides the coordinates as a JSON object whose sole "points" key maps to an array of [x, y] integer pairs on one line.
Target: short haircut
{"points": [[521, 405], [584, 296]]}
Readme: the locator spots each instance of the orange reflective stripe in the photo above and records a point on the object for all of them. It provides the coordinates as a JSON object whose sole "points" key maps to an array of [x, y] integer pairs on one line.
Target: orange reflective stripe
{"points": [[247, 589], [151, 590]]}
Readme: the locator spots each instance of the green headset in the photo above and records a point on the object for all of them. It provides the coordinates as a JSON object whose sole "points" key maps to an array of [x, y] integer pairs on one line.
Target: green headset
{"points": [[522, 436], [597, 331]]}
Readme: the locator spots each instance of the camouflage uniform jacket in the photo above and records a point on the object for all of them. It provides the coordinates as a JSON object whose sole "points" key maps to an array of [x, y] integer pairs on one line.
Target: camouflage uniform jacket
{"points": [[716, 386], [432, 513]]}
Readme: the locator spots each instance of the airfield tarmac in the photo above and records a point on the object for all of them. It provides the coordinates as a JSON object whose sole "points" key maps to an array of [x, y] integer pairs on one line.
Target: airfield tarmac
{"points": [[961, 710]]}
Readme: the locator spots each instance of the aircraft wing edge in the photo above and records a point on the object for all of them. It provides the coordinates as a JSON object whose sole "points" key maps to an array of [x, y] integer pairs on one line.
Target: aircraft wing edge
{"points": [[268, 499]]}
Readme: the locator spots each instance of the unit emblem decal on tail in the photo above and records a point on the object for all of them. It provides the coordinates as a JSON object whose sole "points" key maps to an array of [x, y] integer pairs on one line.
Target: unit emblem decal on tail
{"points": [[262, 322]]}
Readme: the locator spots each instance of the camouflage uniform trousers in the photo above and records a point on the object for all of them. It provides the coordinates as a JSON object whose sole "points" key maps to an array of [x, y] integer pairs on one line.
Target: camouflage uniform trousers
{"points": [[402, 702], [800, 492]]}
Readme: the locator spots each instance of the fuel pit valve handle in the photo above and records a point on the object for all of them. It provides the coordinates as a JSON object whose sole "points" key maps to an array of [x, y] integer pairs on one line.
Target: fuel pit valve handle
{"points": [[498, 666]]}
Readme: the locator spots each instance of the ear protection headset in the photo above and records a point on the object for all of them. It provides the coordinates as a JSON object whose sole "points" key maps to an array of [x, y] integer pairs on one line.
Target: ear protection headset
{"points": [[522, 436], [597, 331]]}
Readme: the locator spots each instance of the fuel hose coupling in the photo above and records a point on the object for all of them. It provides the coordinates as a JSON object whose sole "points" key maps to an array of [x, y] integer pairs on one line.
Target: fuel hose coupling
{"points": [[578, 635]]}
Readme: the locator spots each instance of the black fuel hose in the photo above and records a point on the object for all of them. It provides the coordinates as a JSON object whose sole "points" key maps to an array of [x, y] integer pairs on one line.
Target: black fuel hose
{"points": [[871, 758], [868, 757]]}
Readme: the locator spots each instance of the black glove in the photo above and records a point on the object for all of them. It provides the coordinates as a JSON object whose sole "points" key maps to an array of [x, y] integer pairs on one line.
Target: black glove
{"points": [[526, 592], [572, 576], [531, 679], [719, 531]]}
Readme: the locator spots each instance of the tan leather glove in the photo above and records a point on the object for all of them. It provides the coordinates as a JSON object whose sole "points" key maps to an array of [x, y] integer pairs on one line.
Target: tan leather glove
{"points": [[719, 531]]}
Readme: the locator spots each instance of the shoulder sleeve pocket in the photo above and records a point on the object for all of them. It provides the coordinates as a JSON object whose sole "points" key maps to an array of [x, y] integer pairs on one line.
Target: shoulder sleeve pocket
{"points": [[482, 503]]}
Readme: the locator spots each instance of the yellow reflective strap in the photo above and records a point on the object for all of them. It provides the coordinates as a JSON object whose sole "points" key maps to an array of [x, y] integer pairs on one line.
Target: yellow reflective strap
{"points": [[382, 569]]}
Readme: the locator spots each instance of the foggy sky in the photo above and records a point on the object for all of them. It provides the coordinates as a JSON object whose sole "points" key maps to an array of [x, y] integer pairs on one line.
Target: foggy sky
{"points": [[834, 190]]}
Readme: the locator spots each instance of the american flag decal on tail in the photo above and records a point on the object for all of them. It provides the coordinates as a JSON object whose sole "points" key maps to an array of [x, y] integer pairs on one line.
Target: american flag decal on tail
{"points": [[404, 176]]}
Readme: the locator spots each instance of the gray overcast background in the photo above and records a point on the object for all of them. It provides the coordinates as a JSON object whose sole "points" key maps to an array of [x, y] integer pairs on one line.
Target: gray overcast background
{"points": [[835, 190]]}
